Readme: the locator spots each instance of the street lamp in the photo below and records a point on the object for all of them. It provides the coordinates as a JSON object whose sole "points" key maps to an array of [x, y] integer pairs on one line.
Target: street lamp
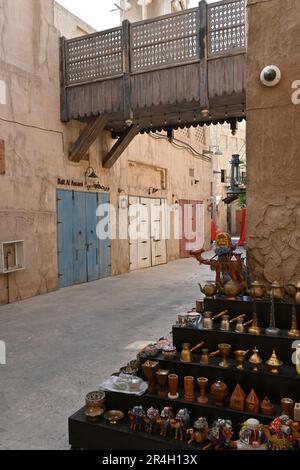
{"points": [[235, 177]]}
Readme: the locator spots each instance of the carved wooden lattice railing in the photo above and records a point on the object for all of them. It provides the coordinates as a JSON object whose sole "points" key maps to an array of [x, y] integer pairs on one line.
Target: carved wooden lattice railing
{"points": [[166, 41], [226, 27], [94, 57]]}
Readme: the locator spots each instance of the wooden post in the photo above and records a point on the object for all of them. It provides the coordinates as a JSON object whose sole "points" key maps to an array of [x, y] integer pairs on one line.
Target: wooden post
{"points": [[64, 112], [203, 43], [127, 111]]}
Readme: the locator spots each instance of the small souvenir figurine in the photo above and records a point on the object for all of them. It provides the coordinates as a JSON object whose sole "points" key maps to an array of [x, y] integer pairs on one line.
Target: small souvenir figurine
{"points": [[237, 399], [151, 420], [227, 264], [252, 402], [137, 417], [165, 416], [180, 423], [199, 432], [220, 435], [251, 437], [283, 433]]}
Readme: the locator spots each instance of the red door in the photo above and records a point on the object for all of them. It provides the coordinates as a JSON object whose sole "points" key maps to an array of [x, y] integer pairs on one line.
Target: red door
{"points": [[192, 226]]}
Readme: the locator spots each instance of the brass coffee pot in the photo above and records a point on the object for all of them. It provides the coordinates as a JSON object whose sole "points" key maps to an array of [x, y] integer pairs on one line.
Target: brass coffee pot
{"points": [[186, 353], [232, 289], [209, 290], [208, 321], [277, 291], [257, 290]]}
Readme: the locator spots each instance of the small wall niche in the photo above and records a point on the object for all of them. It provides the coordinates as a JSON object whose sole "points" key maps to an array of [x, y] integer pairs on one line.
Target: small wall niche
{"points": [[12, 257]]}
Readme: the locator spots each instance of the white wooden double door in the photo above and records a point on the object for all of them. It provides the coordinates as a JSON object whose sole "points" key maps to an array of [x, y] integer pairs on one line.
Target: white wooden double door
{"points": [[147, 232]]}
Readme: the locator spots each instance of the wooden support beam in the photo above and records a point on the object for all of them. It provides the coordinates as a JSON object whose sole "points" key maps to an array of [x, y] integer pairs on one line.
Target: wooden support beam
{"points": [[87, 138], [63, 89], [128, 113], [119, 147], [203, 43]]}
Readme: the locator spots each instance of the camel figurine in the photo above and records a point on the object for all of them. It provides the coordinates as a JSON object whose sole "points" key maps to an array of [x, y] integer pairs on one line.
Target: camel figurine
{"points": [[225, 262], [199, 433], [136, 417], [151, 420], [178, 426], [164, 420], [220, 435], [283, 433]]}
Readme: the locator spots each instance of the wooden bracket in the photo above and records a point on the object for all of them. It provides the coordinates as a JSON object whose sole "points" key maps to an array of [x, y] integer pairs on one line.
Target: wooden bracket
{"points": [[87, 138], [119, 147]]}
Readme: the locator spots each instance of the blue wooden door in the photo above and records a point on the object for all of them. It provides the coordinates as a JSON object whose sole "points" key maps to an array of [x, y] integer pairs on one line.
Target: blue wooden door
{"points": [[79, 238], [105, 244], [65, 238], [92, 241], [82, 257]]}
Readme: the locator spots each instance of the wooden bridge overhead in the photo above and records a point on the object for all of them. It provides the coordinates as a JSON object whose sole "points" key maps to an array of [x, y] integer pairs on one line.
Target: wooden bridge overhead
{"points": [[186, 68]]}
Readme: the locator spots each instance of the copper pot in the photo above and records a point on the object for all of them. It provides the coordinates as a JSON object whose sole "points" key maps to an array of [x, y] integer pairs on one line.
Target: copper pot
{"points": [[219, 392]]}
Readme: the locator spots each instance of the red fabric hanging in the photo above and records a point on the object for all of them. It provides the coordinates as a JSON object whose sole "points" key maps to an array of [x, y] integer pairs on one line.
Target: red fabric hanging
{"points": [[213, 231], [242, 240]]}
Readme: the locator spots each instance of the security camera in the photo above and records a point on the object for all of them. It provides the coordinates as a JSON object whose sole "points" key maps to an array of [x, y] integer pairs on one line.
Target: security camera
{"points": [[270, 75]]}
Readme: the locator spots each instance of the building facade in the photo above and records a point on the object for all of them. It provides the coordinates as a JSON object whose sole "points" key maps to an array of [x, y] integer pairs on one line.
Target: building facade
{"points": [[48, 224]]}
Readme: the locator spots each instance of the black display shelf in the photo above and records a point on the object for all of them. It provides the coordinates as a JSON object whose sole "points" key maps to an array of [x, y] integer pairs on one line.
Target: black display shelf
{"points": [[265, 384], [282, 343], [283, 310], [87, 435]]}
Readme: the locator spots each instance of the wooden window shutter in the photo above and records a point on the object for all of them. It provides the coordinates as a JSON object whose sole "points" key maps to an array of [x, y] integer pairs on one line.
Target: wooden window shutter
{"points": [[2, 157]]}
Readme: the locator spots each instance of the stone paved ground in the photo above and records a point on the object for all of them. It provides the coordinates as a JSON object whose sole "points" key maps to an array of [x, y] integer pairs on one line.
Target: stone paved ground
{"points": [[61, 345]]}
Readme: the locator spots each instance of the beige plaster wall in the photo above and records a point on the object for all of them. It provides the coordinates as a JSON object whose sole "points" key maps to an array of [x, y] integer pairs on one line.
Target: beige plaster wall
{"points": [[155, 8], [37, 146], [273, 142], [228, 144], [69, 24]]}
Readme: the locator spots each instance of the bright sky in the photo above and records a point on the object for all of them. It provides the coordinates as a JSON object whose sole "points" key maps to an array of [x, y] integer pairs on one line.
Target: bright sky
{"points": [[97, 13]]}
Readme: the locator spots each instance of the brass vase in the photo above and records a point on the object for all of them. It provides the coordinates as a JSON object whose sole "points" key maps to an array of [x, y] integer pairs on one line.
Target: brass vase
{"points": [[272, 330], [149, 369], [224, 350], [202, 384], [257, 291], [240, 356]]}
